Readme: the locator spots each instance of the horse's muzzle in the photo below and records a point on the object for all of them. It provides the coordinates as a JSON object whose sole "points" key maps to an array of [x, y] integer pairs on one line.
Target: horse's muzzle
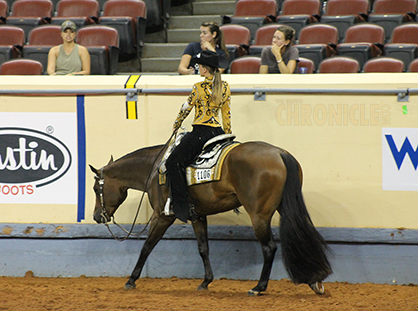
{"points": [[99, 218]]}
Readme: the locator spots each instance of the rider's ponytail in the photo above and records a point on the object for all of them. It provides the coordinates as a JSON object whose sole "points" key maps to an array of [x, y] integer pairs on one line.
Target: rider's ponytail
{"points": [[216, 85]]}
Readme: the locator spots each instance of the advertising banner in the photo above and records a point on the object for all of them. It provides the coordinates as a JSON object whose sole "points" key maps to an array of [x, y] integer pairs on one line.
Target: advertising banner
{"points": [[400, 159], [38, 157]]}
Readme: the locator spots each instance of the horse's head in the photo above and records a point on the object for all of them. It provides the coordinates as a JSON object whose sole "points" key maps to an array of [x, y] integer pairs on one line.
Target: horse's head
{"points": [[110, 194]]}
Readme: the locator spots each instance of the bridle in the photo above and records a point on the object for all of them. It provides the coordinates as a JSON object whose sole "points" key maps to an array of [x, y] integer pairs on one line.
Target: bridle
{"points": [[105, 214], [100, 181], [107, 217]]}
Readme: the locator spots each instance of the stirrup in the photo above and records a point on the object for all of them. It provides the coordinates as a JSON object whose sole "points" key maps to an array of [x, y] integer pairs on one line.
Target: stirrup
{"points": [[192, 214], [167, 208], [318, 288]]}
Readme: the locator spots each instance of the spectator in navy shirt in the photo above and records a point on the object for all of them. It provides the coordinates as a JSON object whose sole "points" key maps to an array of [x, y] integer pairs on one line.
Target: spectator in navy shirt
{"points": [[211, 38]]}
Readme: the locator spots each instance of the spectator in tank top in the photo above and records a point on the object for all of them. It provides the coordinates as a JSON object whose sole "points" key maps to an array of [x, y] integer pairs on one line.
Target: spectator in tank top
{"points": [[68, 58]]}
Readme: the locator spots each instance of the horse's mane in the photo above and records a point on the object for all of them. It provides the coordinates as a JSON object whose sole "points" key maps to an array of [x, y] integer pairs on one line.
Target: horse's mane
{"points": [[146, 151], [141, 157]]}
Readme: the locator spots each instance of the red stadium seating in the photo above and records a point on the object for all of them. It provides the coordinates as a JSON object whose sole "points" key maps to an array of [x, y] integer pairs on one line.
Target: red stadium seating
{"points": [[245, 65], [237, 40], [339, 64], [12, 39], [102, 42], [21, 67], [128, 17]]}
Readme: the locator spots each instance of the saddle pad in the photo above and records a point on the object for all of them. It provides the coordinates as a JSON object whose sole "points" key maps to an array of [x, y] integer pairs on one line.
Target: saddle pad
{"points": [[196, 175]]}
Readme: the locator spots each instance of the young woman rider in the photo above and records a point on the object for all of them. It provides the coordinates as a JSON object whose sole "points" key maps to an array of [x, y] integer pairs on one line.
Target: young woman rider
{"points": [[208, 98]]}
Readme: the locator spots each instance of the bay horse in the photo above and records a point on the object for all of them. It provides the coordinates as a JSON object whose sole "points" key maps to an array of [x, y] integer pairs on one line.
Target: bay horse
{"points": [[256, 175]]}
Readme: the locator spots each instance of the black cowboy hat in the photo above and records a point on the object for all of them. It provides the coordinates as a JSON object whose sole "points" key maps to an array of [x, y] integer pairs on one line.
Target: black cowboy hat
{"points": [[209, 58]]}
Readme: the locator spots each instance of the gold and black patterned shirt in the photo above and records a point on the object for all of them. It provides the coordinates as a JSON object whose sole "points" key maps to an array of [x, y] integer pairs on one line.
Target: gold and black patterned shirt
{"points": [[206, 111]]}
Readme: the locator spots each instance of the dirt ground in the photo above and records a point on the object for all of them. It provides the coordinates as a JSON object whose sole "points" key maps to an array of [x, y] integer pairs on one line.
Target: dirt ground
{"points": [[64, 294]]}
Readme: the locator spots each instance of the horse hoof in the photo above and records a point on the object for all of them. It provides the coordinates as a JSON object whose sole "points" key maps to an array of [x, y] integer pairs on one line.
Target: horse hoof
{"points": [[252, 292], [129, 286], [318, 288], [202, 287]]}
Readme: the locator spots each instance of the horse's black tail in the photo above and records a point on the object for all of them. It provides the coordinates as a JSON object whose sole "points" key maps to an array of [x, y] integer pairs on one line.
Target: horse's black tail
{"points": [[303, 248]]}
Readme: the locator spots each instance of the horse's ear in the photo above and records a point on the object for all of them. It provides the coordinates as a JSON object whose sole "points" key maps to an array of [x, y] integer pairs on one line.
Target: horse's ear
{"points": [[111, 160], [95, 171]]}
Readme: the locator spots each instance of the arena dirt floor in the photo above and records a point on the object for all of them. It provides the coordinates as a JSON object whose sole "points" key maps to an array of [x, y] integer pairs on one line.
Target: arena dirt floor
{"points": [[80, 294]]}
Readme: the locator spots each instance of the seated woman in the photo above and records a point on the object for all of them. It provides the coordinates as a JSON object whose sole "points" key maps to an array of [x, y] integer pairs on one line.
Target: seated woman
{"points": [[68, 58], [211, 38], [281, 56]]}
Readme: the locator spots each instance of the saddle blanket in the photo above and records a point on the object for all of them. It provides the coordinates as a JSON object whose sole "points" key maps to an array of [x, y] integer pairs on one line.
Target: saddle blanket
{"points": [[207, 167]]}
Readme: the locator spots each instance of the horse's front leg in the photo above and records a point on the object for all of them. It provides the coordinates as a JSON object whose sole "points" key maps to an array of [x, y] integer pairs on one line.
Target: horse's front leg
{"points": [[200, 227], [158, 226]]}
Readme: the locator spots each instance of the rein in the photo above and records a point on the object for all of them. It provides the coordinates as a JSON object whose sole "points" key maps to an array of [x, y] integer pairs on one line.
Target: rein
{"points": [[105, 214]]}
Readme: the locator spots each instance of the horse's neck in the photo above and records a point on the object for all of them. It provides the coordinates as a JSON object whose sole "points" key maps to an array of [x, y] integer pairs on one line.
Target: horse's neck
{"points": [[136, 168]]}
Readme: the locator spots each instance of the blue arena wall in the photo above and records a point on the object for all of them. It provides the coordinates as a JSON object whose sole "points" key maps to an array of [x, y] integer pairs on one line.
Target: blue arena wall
{"points": [[357, 255]]}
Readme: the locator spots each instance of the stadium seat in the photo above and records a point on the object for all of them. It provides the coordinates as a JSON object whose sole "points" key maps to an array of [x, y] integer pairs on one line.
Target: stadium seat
{"points": [[299, 13], [9, 5], [339, 64], [12, 39], [102, 42], [384, 64], [237, 40], [253, 14], [344, 14], [306, 63], [362, 42], [128, 17], [4, 11], [413, 66], [81, 12], [245, 65], [21, 67], [317, 41], [263, 37], [28, 14], [404, 43], [392, 13], [41, 40]]}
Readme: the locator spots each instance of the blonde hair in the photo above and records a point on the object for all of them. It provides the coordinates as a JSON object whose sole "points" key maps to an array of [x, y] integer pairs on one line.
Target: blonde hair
{"points": [[216, 85]]}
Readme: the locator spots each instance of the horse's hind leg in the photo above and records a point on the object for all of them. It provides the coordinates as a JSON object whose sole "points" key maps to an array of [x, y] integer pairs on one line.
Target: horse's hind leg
{"points": [[263, 233], [200, 228], [158, 226]]}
